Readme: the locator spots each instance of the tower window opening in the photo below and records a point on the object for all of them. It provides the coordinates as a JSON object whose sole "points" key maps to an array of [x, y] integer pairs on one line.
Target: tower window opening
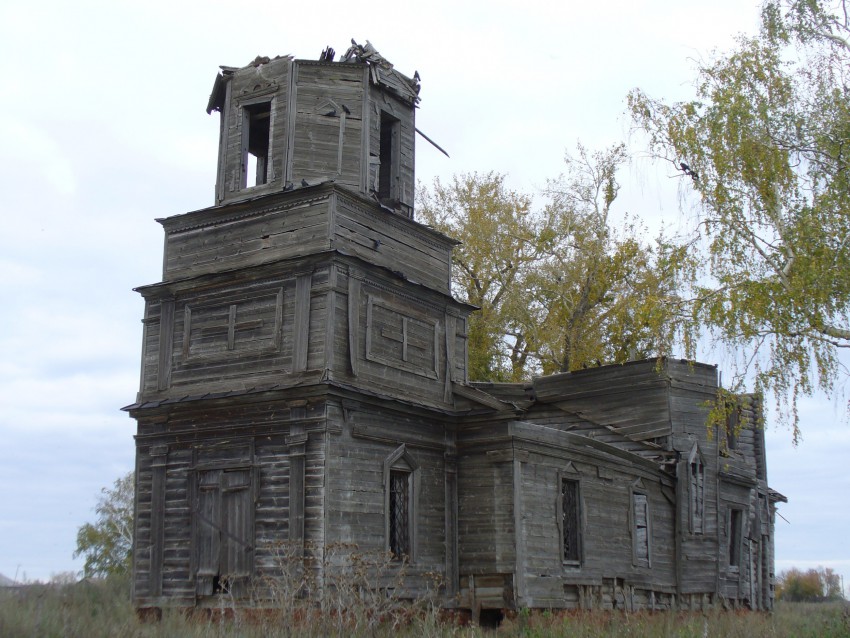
{"points": [[389, 157], [256, 131]]}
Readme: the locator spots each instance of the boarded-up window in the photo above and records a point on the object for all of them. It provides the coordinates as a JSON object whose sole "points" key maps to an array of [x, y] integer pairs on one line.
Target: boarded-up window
{"points": [[224, 531], [697, 496], [735, 534], [696, 491], [570, 521], [640, 517], [400, 513]]}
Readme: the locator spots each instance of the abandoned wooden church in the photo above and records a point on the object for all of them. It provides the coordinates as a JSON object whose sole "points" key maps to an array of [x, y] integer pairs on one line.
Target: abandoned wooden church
{"points": [[303, 382]]}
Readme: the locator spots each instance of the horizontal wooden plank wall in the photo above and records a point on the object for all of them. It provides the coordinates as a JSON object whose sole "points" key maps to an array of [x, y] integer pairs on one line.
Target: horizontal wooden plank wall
{"points": [[399, 348], [355, 488], [321, 122], [267, 82], [392, 242], [231, 431], [238, 235]]}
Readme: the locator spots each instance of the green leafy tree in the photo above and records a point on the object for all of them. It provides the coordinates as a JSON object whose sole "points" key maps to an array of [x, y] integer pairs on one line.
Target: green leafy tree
{"points": [[558, 288], [600, 294], [813, 585], [765, 148], [501, 241], [107, 543]]}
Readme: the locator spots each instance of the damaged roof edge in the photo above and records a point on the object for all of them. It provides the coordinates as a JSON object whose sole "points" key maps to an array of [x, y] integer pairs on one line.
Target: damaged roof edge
{"points": [[383, 73]]}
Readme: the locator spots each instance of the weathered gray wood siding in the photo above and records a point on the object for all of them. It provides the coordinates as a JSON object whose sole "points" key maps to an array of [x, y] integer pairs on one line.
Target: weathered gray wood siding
{"points": [[250, 85], [255, 436], [240, 235], [327, 140], [393, 242], [229, 333], [607, 482], [693, 388], [631, 399], [487, 538], [324, 123], [392, 339], [607, 531], [300, 224], [364, 437], [383, 102]]}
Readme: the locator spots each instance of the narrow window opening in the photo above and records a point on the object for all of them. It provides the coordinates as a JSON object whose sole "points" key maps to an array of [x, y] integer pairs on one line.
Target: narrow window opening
{"points": [[735, 532], [733, 427], [399, 514], [388, 168], [571, 521], [697, 494], [640, 506], [256, 143]]}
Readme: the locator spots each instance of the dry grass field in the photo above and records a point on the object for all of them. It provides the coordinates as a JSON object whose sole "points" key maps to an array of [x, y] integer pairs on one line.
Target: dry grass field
{"points": [[101, 609]]}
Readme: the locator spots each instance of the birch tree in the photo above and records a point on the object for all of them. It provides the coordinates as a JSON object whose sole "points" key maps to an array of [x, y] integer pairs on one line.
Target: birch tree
{"points": [[764, 148], [107, 543]]}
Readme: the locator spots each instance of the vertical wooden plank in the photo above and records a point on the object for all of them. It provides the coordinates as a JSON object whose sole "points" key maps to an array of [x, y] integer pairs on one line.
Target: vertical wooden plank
{"points": [[292, 109], [330, 321], [221, 176], [278, 320], [208, 538], [187, 331], [365, 124], [166, 336], [301, 337], [144, 358], [368, 325], [451, 337], [159, 457], [231, 327], [297, 444], [340, 143], [519, 535], [404, 338], [353, 322], [452, 567]]}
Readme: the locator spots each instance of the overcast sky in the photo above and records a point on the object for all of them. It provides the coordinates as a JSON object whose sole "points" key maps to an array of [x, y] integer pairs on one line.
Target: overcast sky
{"points": [[103, 128]]}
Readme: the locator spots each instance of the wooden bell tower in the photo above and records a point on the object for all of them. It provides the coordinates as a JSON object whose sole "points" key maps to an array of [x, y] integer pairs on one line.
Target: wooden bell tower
{"points": [[302, 352], [287, 123]]}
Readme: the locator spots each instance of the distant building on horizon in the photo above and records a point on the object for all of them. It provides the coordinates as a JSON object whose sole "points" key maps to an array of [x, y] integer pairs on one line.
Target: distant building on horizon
{"points": [[304, 383]]}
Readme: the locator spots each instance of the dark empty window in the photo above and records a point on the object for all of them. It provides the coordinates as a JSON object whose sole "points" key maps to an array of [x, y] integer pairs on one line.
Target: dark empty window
{"points": [[640, 515], [735, 534], [570, 521], [389, 157], [399, 513], [256, 123]]}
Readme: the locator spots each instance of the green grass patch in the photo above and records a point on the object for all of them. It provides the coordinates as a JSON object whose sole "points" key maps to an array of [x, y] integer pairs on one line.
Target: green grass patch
{"points": [[91, 609]]}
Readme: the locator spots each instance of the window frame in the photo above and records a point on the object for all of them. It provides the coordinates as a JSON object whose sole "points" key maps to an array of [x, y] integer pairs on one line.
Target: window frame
{"points": [[734, 537], [247, 115], [389, 156], [637, 558], [696, 491], [572, 478], [401, 462]]}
